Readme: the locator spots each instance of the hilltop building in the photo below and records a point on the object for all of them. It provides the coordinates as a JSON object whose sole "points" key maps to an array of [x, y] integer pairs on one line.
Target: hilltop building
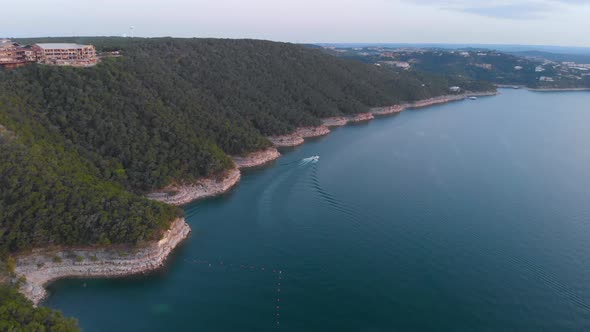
{"points": [[14, 55], [65, 54]]}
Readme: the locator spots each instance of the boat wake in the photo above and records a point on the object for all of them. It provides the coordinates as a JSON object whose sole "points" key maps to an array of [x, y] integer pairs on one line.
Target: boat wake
{"points": [[344, 208], [309, 160]]}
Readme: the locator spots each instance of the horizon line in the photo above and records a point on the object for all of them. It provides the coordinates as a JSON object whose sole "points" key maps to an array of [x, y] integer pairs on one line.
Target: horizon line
{"points": [[313, 43]]}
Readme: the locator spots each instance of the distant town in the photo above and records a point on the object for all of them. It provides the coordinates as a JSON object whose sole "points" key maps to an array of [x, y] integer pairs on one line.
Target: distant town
{"points": [[480, 64], [14, 55]]}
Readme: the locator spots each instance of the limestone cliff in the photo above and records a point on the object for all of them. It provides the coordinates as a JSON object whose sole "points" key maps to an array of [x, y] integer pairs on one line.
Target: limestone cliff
{"points": [[257, 158], [180, 194], [297, 137], [43, 266]]}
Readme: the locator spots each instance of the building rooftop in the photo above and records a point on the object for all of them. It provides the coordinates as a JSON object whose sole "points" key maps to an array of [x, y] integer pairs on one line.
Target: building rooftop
{"points": [[6, 43], [62, 46]]}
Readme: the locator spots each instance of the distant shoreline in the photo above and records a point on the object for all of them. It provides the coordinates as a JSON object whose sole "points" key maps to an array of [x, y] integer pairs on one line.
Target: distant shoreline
{"points": [[300, 134], [558, 89], [512, 86]]}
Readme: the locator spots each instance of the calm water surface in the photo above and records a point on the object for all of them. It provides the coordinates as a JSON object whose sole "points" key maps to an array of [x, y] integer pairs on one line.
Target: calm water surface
{"points": [[471, 216]]}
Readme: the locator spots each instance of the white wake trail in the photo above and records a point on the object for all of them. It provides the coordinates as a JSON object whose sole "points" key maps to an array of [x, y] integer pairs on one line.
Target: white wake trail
{"points": [[309, 160]]}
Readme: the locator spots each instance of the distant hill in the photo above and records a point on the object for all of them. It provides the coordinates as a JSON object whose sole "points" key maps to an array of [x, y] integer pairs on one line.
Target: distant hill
{"points": [[557, 57]]}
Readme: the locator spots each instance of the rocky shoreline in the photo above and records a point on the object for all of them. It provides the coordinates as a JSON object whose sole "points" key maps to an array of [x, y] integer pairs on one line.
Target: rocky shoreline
{"points": [[298, 136], [388, 110], [517, 86], [308, 132], [557, 89], [257, 158], [184, 193], [180, 194], [340, 121], [446, 99], [428, 102], [336, 121], [286, 140], [361, 117], [43, 266]]}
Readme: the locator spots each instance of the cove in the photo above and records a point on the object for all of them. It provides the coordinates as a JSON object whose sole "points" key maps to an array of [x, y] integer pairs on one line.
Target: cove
{"points": [[468, 216]]}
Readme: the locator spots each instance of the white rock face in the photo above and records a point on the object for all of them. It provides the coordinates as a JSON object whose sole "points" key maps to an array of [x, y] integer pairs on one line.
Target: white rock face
{"points": [[428, 102], [335, 121], [42, 267], [286, 140], [388, 110], [297, 137], [361, 117], [257, 158], [180, 194], [307, 132]]}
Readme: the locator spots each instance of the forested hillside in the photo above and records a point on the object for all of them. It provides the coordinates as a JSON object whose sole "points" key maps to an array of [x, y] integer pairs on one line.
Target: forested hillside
{"points": [[50, 195], [80, 146], [18, 314]]}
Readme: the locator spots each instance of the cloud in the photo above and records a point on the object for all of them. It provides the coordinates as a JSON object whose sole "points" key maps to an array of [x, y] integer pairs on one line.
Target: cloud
{"points": [[513, 9]]}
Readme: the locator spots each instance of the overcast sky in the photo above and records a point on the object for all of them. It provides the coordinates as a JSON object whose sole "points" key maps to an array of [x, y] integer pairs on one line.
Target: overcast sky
{"points": [[544, 22]]}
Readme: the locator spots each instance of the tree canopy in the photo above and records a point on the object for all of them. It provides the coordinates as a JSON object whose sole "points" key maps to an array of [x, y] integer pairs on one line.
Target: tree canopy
{"points": [[18, 314]]}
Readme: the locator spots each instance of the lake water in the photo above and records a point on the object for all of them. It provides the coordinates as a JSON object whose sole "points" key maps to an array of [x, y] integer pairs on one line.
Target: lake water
{"points": [[467, 216]]}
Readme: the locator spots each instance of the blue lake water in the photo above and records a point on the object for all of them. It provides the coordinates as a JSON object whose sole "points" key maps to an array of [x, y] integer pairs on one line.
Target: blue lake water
{"points": [[469, 216]]}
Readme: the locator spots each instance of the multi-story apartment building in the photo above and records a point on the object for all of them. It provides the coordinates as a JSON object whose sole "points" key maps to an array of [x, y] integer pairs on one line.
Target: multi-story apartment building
{"points": [[12, 55], [65, 54]]}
